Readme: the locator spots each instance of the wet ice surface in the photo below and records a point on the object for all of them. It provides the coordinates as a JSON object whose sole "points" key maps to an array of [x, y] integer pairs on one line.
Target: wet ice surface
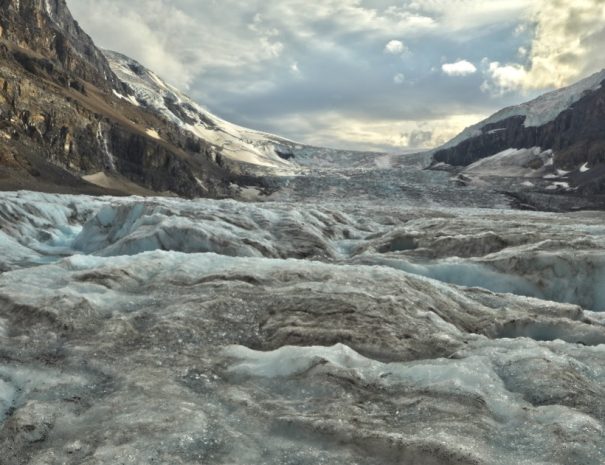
{"points": [[334, 330]]}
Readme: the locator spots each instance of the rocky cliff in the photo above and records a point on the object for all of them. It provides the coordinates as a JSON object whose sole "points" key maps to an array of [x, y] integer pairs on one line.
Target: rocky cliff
{"points": [[569, 122], [64, 126], [47, 28]]}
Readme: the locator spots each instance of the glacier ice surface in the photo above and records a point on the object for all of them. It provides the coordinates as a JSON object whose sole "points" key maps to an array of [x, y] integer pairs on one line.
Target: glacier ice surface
{"points": [[170, 331]]}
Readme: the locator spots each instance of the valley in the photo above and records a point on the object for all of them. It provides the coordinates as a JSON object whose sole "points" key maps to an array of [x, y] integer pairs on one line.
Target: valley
{"points": [[178, 289]]}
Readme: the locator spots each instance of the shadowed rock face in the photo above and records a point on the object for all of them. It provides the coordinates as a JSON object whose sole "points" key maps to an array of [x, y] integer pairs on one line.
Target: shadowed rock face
{"points": [[576, 136], [61, 118], [47, 28]]}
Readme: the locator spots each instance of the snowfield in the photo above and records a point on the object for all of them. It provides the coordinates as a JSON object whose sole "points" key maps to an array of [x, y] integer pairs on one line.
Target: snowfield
{"points": [[164, 331], [515, 163]]}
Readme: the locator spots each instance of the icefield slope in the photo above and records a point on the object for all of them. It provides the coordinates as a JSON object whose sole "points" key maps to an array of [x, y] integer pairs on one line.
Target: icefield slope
{"points": [[169, 331]]}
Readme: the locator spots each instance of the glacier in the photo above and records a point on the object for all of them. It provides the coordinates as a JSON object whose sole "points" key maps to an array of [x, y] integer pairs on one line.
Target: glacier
{"points": [[162, 330]]}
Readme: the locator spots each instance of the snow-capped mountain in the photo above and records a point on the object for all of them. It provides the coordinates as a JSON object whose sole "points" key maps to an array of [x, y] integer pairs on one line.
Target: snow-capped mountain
{"points": [[260, 152], [560, 136], [537, 112], [76, 119], [64, 128], [234, 142]]}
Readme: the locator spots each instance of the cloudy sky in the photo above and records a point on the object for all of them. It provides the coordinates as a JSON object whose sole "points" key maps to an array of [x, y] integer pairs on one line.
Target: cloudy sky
{"points": [[362, 74]]}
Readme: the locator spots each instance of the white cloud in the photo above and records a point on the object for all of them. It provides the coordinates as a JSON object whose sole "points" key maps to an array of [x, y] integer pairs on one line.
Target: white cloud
{"points": [[502, 79], [522, 52], [399, 78], [395, 47], [460, 68]]}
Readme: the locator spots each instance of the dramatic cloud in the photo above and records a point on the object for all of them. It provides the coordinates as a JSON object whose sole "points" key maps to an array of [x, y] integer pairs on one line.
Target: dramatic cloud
{"points": [[365, 74], [569, 42], [460, 68], [567, 45]]}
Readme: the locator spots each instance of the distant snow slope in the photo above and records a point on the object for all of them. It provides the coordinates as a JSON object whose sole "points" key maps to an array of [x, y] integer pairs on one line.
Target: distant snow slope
{"points": [[539, 111], [234, 142]]}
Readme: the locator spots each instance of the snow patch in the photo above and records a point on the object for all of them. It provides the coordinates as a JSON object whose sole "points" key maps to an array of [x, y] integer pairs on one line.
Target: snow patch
{"points": [[513, 163], [48, 8], [130, 98], [153, 133], [558, 185]]}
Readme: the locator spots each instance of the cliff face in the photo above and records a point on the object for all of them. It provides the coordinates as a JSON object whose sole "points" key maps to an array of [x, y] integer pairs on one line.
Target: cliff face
{"points": [[576, 136], [62, 123], [47, 28]]}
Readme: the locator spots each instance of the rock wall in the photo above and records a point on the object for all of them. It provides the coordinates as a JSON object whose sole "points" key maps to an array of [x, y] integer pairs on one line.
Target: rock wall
{"points": [[59, 111]]}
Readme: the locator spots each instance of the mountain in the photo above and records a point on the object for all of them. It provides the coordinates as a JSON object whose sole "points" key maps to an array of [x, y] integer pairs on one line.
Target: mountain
{"points": [[42, 33], [243, 150], [559, 137], [75, 118], [145, 89], [63, 128]]}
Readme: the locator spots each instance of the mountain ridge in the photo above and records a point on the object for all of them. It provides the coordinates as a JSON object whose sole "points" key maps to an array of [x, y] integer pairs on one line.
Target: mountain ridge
{"points": [[96, 121], [569, 123], [48, 28]]}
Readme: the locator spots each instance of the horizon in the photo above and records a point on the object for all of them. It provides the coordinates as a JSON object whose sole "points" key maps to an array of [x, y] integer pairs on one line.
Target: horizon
{"points": [[360, 75]]}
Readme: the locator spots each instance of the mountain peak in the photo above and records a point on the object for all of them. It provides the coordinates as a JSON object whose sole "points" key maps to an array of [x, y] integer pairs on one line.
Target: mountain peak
{"points": [[47, 29]]}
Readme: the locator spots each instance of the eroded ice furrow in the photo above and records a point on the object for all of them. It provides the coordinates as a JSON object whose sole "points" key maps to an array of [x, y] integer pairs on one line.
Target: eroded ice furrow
{"points": [[227, 228], [419, 371], [556, 277], [170, 331], [534, 261], [488, 374], [552, 257], [39, 228], [559, 261]]}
